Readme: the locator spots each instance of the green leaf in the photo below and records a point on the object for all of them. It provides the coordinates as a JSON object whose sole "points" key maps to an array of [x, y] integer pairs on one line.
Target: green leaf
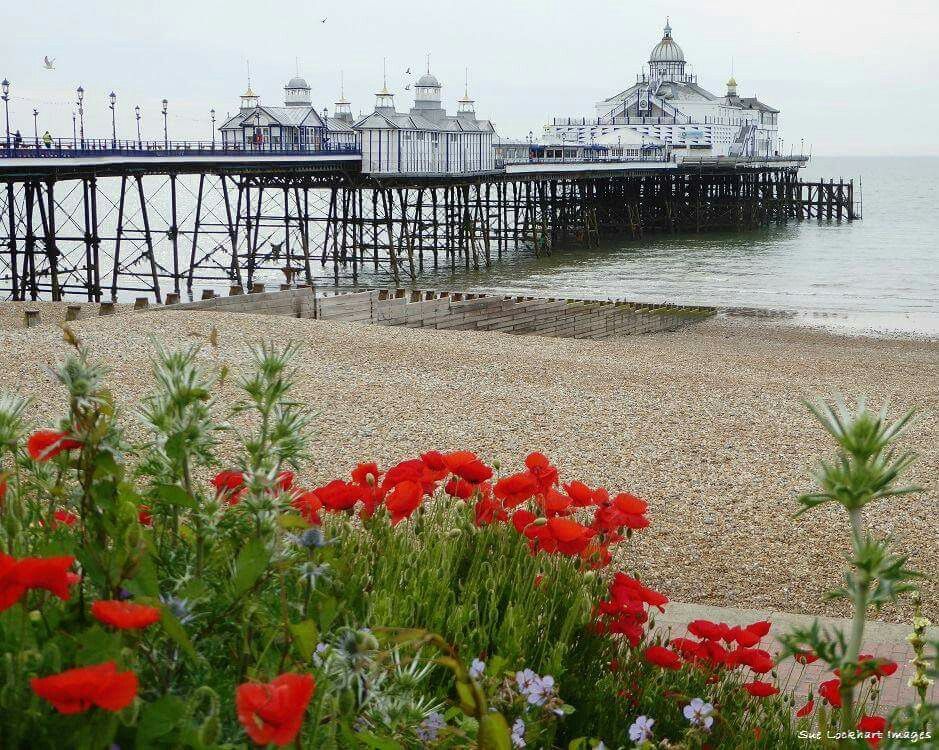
{"points": [[494, 733], [292, 521], [171, 494], [97, 645], [252, 561], [378, 743], [144, 582], [158, 719], [306, 636], [175, 631], [467, 700]]}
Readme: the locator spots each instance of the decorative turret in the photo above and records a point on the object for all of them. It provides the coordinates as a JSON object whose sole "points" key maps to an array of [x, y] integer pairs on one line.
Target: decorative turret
{"points": [[427, 95], [343, 109], [732, 88], [249, 100], [384, 100], [297, 93], [466, 107]]}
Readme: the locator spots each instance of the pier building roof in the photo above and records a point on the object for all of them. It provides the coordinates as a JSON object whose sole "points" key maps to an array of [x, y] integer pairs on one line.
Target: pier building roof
{"points": [[668, 49]]}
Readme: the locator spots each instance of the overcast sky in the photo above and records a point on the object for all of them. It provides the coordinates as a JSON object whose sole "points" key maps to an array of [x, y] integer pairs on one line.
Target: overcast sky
{"points": [[850, 76]]}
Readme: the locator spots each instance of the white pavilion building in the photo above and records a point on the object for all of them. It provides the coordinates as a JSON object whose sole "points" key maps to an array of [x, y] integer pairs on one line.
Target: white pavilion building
{"points": [[296, 126], [667, 107], [425, 140]]}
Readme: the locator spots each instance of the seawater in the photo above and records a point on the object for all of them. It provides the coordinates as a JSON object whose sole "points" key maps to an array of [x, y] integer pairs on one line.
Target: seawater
{"points": [[879, 274]]}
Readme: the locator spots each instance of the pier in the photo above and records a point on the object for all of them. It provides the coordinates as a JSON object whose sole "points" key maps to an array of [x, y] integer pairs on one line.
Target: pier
{"points": [[124, 220]]}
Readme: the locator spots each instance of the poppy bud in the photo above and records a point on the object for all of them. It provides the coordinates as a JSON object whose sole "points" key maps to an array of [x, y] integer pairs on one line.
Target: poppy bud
{"points": [[539, 521], [366, 641], [454, 533], [210, 730], [459, 505], [35, 615], [590, 575]]}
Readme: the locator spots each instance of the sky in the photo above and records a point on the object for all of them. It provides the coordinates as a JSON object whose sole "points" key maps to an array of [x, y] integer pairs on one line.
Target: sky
{"points": [[851, 77]]}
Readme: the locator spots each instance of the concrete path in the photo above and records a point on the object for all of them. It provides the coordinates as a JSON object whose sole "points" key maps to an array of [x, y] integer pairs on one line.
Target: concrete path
{"points": [[882, 639]]}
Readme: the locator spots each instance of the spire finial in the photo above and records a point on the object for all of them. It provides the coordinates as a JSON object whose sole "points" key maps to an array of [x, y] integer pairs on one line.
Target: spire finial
{"points": [[342, 84], [384, 73], [428, 62], [466, 82], [248, 63]]}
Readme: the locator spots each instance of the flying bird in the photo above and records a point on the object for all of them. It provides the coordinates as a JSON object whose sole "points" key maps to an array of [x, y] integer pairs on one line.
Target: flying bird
{"points": [[407, 72], [323, 21], [408, 87], [48, 64]]}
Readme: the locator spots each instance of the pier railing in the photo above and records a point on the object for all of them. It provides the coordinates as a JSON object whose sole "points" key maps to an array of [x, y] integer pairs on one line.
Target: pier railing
{"points": [[91, 147]]}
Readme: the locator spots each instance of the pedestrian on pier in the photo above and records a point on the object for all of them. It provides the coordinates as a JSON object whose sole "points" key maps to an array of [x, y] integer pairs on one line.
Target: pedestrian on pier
{"points": [[17, 139], [47, 139]]}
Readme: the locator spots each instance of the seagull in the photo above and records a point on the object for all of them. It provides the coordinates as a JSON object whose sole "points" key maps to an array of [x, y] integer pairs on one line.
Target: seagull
{"points": [[48, 64], [323, 21], [407, 72], [408, 87]]}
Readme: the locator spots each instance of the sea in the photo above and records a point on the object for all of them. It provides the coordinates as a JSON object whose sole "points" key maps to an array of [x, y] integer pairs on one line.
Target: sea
{"points": [[878, 275]]}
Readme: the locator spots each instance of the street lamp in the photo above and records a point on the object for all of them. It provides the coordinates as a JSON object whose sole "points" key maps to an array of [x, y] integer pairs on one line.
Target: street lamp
{"points": [[81, 114], [74, 139], [36, 126], [113, 98], [166, 138], [212, 113], [5, 84], [137, 115]]}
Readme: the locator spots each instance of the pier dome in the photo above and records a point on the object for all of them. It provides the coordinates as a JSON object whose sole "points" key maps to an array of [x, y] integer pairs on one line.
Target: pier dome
{"points": [[297, 93], [428, 80], [427, 96], [667, 58]]}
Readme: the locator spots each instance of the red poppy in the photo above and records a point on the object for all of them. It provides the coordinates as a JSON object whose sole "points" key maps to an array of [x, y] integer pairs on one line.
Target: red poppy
{"points": [[459, 488], [412, 470], [77, 690], [404, 500], [309, 505], [144, 517], [581, 494], [466, 465], [284, 481], [338, 495], [711, 631], [760, 689], [541, 468], [515, 489], [662, 657], [760, 628], [806, 709], [757, 732], [365, 477], [3, 489], [125, 615], [755, 658], [435, 461], [624, 586], [805, 657], [830, 690], [64, 517], [596, 556], [875, 726], [272, 713], [554, 503], [366, 474], [489, 510], [229, 484], [521, 519], [686, 647], [18, 576], [45, 444], [559, 535], [630, 504]]}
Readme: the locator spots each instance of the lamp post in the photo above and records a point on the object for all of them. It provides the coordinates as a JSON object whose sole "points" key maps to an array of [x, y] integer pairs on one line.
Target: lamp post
{"points": [[166, 137], [5, 84], [137, 115], [74, 130], [212, 113], [113, 99], [81, 114], [36, 126]]}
